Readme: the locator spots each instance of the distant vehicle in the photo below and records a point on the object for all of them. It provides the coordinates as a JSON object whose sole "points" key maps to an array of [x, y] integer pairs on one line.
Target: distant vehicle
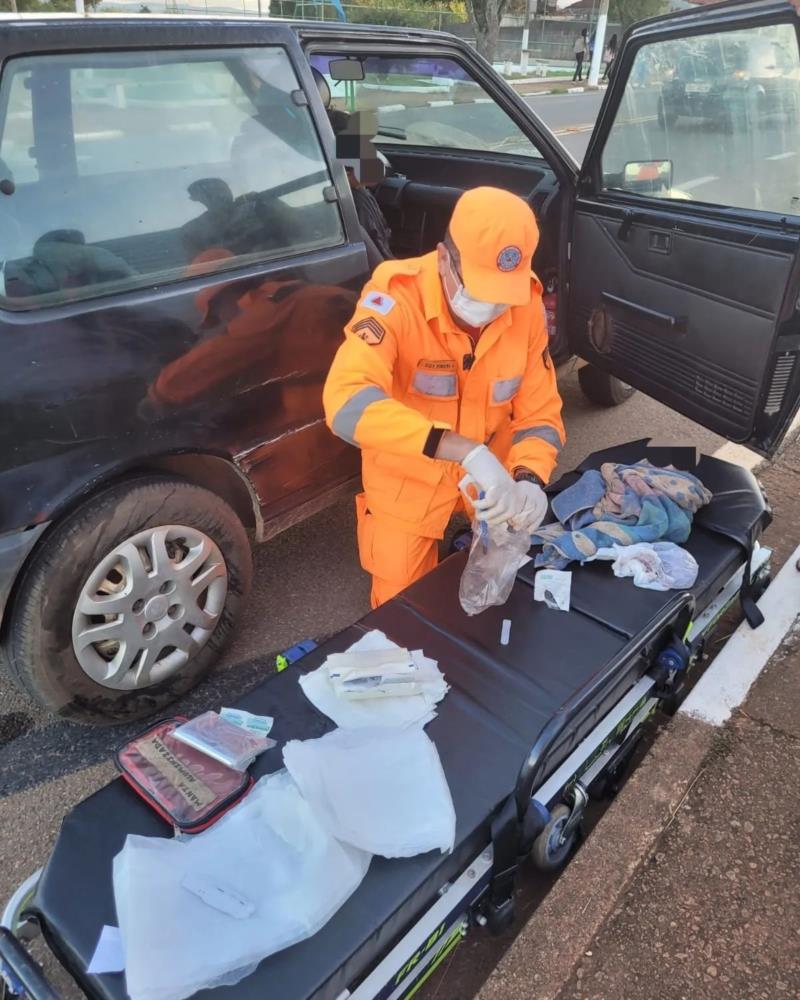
{"points": [[730, 77]]}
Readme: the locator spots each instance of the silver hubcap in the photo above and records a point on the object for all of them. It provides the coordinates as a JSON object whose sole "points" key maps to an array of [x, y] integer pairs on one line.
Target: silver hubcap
{"points": [[149, 606]]}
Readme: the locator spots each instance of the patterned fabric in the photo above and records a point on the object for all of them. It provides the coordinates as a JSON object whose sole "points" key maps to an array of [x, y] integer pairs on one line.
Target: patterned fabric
{"points": [[619, 505]]}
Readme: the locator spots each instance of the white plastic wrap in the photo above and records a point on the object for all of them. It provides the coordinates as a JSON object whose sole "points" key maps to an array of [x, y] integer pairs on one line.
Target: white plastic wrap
{"points": [[653, 565], [225, 741], [377, 712], [381, 790], [271, 851], [495, 556]]}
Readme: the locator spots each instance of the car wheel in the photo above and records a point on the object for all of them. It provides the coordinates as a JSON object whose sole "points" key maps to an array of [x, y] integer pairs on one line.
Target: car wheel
{"points": [[129, 600], [603, 389]]}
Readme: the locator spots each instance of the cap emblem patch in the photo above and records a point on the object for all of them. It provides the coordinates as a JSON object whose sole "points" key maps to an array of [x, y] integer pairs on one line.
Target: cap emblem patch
{"points": [[509, 258]]}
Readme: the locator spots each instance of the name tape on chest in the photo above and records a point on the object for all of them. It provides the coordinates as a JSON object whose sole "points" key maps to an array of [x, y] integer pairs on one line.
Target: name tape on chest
{"points": [[378, 302]]}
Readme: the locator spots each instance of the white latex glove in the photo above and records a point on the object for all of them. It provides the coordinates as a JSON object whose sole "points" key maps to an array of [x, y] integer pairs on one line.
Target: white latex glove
{"points": [[493, 479], [531, 506]]}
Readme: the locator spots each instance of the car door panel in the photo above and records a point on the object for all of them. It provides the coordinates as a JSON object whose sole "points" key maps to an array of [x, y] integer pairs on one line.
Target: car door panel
{"points": [[691, 300], [662, 333]]}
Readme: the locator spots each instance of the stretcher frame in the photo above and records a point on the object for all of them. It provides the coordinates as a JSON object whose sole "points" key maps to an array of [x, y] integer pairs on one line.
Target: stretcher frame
{"points": [[470, 899]]}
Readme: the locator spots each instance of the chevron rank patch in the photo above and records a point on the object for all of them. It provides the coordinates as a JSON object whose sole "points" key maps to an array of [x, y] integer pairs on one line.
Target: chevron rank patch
{"points": [[369, 330], [378, 302]]}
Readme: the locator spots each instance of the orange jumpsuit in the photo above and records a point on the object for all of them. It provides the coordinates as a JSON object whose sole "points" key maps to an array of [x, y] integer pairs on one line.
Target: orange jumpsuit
{"points": [[400, 373]]}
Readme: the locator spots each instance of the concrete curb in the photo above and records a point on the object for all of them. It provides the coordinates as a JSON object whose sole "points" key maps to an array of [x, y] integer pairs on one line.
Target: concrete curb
{"points": [[562, 929]]}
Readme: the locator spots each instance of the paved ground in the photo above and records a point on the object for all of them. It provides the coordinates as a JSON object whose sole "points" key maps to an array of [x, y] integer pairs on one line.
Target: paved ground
{"points": [[570, 116], [715, 911]]}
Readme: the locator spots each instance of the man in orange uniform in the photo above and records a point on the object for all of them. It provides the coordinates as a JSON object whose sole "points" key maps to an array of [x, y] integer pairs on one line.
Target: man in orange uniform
{"points": [[445, 370]]}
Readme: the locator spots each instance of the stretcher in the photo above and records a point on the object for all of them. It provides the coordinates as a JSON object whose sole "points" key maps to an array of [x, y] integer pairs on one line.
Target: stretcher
{"points": [[529, 732]]}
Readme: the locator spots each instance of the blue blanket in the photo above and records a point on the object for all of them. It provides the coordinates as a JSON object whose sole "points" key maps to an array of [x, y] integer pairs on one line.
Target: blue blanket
{"points": [[619, 505]]}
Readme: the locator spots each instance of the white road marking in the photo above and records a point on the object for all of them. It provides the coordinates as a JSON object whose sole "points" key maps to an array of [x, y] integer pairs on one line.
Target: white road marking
{"points": [[440, 104], [724, 686], [782, 156], [696, 182]]}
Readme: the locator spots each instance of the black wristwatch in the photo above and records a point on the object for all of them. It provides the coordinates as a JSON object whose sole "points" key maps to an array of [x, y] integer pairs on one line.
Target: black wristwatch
{"points": [[521, 474]]}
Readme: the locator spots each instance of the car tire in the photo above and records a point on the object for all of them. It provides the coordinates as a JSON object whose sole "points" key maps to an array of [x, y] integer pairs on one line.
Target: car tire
{"points": [[603, 389], [179, 529]]}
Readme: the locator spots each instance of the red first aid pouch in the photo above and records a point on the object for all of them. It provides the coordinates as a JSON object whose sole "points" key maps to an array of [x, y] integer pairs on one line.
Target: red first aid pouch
{"points": [[187, 788]]}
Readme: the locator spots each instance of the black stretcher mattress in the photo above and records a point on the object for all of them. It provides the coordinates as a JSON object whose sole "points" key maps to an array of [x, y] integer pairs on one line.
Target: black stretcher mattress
{"points": [[501, 698]]}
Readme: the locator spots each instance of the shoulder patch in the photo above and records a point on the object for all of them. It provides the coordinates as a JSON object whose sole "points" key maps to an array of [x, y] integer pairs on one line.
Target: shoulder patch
{"points": [[369, 330], [378, 302]]}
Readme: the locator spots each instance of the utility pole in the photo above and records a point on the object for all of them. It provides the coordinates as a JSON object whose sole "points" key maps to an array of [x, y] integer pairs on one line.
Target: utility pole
{"points": [[14, 7], [523, 55], [599, 45]]}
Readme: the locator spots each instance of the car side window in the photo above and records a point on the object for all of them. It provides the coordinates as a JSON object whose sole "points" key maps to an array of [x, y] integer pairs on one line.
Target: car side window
{"points": [[420, 101], [150, 167], [712, 118]]}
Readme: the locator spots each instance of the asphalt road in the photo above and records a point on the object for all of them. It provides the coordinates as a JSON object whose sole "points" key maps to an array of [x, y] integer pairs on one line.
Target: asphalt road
{"points": [[307, 583], [570, 116]]}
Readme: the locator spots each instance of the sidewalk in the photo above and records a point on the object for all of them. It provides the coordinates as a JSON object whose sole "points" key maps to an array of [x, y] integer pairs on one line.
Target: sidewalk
{"points": [[688, 887]]}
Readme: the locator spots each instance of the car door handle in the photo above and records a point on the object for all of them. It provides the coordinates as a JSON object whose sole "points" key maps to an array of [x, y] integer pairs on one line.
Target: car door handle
{"points": [[628, 219], [675, 324]]}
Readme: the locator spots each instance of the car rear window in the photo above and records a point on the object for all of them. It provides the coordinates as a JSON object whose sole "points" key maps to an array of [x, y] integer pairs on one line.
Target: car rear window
{"points": [[124, 170]]}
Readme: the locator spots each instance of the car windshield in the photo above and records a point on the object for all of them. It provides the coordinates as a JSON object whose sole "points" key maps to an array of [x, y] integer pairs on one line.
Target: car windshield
{"points": [[422, 101]]}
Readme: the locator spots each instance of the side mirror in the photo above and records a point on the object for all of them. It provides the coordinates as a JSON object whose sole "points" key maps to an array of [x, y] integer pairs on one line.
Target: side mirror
{"points": [[648, 176], [346, 69]]}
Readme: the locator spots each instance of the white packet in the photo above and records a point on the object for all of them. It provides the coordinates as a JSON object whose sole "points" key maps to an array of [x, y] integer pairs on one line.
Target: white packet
{"points": [[258, 724], [553, 588]]}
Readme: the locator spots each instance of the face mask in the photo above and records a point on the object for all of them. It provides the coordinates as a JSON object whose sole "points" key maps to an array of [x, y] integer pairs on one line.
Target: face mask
{"points": [[473, 312]]}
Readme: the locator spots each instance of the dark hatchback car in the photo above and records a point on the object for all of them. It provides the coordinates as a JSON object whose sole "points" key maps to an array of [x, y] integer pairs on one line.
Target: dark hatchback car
{"points": [[180, 247], [726, 78]]}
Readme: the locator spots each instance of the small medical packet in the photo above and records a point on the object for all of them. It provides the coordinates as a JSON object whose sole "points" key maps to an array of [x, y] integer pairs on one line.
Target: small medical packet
{"points": [[384, 673], [226, 742], [553, 588], [258, 724]]}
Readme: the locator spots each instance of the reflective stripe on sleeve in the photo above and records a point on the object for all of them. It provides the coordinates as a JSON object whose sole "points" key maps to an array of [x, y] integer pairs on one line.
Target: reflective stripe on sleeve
{"points": [[346, 420], [544, 432], [433, 384], [505, 388]]}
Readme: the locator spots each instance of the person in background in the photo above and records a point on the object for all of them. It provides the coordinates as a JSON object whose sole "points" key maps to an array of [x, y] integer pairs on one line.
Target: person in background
{"points": [[609, 56], [445, 370], [580, 49]]}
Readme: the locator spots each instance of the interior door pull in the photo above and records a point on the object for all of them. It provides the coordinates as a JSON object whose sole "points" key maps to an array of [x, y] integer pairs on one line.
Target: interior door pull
{"points": [[675, 324], [628, 219]]}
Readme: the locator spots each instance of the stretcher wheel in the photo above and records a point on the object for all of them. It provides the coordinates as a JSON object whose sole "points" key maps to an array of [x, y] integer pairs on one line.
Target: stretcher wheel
{"points": [[548, 853]]}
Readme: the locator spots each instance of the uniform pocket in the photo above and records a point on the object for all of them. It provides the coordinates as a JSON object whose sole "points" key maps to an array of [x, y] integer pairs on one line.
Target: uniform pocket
{"points": [[382, 551]]}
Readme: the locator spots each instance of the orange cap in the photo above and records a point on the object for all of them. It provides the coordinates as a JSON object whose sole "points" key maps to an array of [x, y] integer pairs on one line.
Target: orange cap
{"points": [[496, 235]]}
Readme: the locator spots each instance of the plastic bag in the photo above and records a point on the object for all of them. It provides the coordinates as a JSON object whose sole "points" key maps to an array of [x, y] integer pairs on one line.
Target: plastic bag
{"points": [[495, 556], [224, 741], [653, 566], [269, 860]]}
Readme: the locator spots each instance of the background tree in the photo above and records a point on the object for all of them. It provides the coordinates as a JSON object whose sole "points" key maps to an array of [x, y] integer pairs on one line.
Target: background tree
{"points": [[629, 11], [486, 16], [46, 6]]}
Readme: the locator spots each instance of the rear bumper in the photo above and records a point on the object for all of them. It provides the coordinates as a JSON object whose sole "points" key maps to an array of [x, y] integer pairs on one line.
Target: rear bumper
{"points": [[15, 548]]}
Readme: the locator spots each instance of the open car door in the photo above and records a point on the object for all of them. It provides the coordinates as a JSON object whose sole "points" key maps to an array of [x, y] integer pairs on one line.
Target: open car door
{"points": [[684, 265]]}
